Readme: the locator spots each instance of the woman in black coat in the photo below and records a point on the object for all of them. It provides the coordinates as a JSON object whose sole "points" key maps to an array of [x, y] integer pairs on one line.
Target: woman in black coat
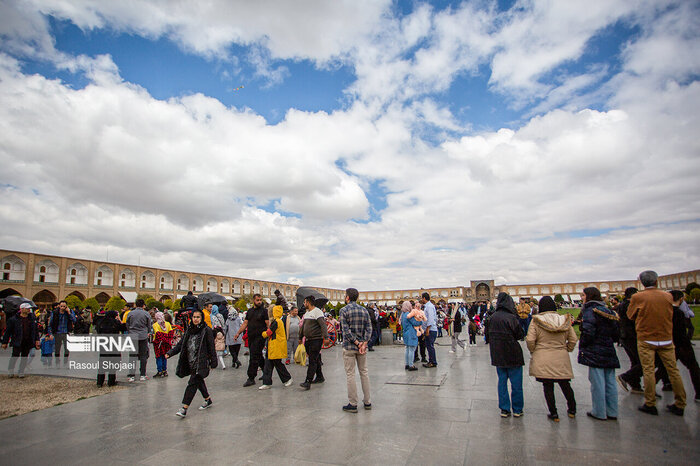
{"points": [[600, 330], [503, 330], [197, 356], [109, 324]]}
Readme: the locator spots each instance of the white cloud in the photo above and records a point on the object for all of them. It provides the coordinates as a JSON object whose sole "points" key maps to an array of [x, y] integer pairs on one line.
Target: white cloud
{"points": [[185, 182]]}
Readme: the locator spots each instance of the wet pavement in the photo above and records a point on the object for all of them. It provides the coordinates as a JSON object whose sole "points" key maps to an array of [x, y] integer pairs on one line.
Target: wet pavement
{"points": [[452, 417]]}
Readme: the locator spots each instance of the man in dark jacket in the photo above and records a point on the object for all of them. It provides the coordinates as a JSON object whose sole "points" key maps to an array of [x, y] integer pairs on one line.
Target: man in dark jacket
{"points": [[502, 333], [109, 324], [256, 322], [22, 334], [281, 301], [632, 379], [315, 330], [60, 325], [684, 348], [189, 302]]}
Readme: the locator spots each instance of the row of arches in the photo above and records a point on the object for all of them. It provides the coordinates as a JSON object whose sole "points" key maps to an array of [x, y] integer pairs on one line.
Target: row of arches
{"points": [[47, 271], [47, 297]]}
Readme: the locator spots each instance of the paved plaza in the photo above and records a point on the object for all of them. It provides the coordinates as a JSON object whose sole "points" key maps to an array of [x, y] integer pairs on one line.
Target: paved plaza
{"points": [[454, 421]]}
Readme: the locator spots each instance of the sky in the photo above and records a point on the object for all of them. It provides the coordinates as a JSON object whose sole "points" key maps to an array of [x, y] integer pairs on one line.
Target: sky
{"points": [[368, 143]]}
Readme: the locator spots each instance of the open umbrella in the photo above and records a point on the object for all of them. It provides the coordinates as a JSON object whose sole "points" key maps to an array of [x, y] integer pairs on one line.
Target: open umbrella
{"points": [[211, 298], [11, 305], [305, 291]]}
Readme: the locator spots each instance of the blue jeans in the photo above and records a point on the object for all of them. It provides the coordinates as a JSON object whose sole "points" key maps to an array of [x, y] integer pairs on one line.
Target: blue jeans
{"points": [[410, 351], [161, 364], [430, 346], [525, 324], [603, 392], [515, 374]]}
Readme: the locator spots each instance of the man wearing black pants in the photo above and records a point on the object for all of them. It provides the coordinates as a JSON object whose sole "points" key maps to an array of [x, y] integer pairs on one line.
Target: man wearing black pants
{"points": [[684, 350], [140, 327], [256, 321], [23, 335], [421, 348], [316, 332], [630, 380]]}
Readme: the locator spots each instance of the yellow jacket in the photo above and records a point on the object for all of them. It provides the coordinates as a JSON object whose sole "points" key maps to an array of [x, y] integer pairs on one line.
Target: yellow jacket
{"points": [[207, 317], [276, 336], [157, 328]]}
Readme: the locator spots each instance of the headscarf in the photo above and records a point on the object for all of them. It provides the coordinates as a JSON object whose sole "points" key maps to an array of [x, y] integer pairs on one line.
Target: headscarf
{"points": [[406, 306], [232, 313], [214, 310], [547, 304], [160, 318]]}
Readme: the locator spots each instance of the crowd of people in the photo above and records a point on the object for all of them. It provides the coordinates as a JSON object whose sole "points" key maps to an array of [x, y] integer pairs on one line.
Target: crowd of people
{"points": [[652, 326]]}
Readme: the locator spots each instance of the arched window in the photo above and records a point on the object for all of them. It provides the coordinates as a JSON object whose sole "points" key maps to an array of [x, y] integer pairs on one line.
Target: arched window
{"points": [[13, 268], [128, 279], [46, 271]]}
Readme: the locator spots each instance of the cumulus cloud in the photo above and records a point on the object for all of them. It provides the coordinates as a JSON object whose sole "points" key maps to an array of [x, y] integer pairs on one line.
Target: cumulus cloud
{"points": [[569, 193]]}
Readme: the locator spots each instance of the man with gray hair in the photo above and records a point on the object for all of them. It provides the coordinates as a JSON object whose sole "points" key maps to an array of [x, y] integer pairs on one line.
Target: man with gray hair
{"points": [[652, 311]]}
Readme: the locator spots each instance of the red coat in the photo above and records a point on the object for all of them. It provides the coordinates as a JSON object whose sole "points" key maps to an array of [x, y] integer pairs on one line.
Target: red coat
{"points": [[162, 342]]}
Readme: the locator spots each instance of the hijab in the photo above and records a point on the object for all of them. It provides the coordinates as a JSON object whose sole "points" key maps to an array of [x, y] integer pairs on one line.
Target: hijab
{"points": [[160, 318], [406, 306]]}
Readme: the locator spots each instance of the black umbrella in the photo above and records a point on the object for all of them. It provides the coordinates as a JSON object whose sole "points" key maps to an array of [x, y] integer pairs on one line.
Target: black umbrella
{"points": [[11, 305], [305, 291], [211, 298]]}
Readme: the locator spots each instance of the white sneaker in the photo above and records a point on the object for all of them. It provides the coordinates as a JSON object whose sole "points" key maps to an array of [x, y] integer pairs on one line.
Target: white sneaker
{"points": [[264, 387], [143, 378], [450, 351], [288, 382], [131, 379]]}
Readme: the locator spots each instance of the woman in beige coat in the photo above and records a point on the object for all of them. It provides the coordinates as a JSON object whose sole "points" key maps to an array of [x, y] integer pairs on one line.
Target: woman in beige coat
{"points": [[550, 339]]}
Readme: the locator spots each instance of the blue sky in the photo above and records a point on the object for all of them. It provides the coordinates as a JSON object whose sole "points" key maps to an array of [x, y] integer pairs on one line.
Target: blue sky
{"points": [[166, 70], [369, 138]]}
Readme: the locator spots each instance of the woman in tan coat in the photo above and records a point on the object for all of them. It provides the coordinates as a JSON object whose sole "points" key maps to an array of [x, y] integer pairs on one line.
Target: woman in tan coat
{"points": [[550, 339]]}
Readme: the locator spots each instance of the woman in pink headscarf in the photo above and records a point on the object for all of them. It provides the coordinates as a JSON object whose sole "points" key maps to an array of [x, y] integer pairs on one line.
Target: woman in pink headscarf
{"points": [[162, 343]]}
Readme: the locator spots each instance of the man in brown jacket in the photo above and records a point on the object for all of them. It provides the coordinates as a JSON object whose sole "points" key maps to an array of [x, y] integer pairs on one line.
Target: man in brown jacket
{"points": [[652, 311]]}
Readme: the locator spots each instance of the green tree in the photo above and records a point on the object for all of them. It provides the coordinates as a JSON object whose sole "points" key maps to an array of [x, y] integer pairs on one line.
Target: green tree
{"points": [[691, 286], [241, 304], [152, 302], [115, 303], [559, 299], [176, 304], [74, 302], [92, 304], [168, 303], [144, 296], [695, 295]]}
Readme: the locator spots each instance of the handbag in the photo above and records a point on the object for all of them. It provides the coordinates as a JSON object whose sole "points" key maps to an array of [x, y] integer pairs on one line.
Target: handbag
{"points": [[300, 355]]}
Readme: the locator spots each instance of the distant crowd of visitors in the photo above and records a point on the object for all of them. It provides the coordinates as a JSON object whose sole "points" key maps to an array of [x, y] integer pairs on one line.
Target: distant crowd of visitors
{"points": [[653, 327]]}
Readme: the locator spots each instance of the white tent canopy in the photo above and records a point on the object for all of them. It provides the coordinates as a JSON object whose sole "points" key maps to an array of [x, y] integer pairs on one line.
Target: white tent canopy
{"points": [[575, 297], [129, 296]]}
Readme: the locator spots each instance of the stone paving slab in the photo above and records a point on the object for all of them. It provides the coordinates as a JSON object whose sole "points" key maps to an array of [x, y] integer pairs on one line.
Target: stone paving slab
{"points": [[413, 379], [454, 422]]}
